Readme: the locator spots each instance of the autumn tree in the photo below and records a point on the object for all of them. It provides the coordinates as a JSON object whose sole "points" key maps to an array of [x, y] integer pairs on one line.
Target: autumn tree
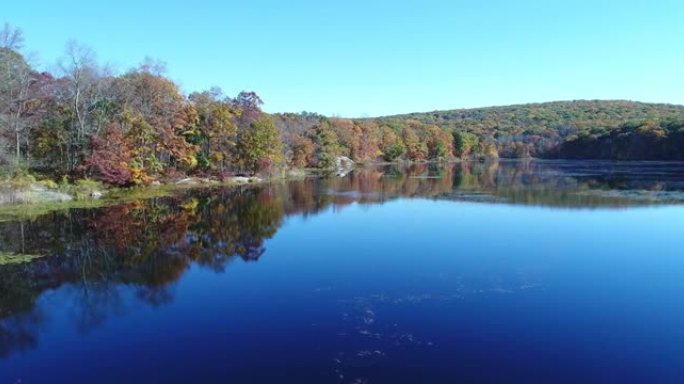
{"points": [[85, 99], [156, 118], [348, 136], [249, 104], [216, 132], [490, 151], [110, 159], [326, 142], [259, 147], [369, 141], [391, 145], [298, 148], [302, 152], [416, 149], [439, 143]]}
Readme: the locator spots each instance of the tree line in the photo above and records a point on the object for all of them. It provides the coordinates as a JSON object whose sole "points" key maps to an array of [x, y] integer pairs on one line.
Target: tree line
{"points": [[135, 127], [128, 128]]}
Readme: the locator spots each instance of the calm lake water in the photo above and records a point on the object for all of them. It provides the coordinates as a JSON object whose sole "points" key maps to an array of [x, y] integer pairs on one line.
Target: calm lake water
{"points": [[509, 272]]}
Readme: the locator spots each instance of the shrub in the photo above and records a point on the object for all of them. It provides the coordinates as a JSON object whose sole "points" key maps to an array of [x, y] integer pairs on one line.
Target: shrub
{"points": [[82, 188], [49, 184]]}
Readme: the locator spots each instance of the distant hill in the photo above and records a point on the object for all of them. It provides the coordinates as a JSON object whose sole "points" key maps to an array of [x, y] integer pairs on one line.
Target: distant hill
{"points": [[615, 129], [579, 113]]}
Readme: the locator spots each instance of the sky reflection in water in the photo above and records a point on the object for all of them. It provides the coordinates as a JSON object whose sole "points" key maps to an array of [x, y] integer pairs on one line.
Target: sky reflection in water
{"points": [[515, 272]]}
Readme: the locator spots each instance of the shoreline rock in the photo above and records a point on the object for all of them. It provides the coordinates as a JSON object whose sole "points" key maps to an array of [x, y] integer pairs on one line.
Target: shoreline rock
{"points": [[343, 165]]}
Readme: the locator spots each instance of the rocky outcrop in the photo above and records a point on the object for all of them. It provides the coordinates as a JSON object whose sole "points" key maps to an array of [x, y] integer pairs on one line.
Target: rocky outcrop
{"points": [[244, 180], [190, 181], [195, 181], [343, 165]]}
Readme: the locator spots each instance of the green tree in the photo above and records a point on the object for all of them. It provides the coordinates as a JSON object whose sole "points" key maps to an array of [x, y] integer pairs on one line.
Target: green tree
{"points": [[464, 143], [327, 144], [216, 132], [259, 147], [391, 146]]}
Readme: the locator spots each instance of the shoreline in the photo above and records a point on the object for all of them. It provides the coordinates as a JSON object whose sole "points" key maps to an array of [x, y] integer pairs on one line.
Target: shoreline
{"points": [[104, 196], [110, 196]]}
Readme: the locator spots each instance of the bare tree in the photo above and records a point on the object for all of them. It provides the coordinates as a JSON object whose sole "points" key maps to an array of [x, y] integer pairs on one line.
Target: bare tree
{"points": [[78, 65], [87, 88], [11, 38], [15, 86]]}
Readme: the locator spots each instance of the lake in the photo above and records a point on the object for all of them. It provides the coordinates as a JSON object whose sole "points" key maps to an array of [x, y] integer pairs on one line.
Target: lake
{"points": [[504, 272]]}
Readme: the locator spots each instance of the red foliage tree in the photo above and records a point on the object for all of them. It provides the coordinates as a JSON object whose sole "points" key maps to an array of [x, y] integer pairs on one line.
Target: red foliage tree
{"points": [[110, 157]]}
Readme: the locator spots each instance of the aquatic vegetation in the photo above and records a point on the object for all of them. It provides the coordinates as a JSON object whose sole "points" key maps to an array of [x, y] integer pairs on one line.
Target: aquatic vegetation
{"points": [[14, 258]]}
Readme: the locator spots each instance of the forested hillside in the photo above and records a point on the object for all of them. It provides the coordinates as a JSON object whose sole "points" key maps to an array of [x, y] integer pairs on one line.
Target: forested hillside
{"points": [[135, 127], [583, 129], [540, 130], [651, 139]]}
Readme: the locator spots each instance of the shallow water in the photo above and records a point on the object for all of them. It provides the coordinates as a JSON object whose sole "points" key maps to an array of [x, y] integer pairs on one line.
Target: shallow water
{"points": [[509, 272]]}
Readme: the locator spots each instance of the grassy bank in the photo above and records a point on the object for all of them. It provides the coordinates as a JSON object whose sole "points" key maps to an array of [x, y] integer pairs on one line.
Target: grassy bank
{"points": [[92, 194]]}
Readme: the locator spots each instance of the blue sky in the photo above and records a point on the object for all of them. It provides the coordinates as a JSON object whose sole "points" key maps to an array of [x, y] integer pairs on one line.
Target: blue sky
{"points": [[367, 58]]}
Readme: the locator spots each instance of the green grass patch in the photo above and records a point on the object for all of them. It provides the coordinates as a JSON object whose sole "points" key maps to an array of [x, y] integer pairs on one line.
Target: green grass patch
{"points": [[16, 258]]}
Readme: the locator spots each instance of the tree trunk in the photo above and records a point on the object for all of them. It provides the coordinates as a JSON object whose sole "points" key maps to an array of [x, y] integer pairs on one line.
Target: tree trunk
{"points": [[18, 152]]}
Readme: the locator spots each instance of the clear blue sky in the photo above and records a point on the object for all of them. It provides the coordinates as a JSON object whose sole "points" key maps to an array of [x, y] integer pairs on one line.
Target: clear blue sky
{"points": [[366, 58]]}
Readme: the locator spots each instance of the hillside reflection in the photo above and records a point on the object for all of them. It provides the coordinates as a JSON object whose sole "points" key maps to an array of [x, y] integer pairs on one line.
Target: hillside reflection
{"points": [[93, 254]]}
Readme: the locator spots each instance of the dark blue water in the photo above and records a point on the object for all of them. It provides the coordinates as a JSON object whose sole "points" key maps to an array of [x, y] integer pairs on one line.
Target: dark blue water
{"points": [[505, 273]]}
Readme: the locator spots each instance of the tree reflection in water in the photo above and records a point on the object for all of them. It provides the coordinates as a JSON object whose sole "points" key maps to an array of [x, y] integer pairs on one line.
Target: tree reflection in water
{"points": [[149, 244]]}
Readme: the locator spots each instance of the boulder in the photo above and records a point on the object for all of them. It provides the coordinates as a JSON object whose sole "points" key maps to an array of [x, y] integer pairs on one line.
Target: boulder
{"points": [[189, 181], [96, 194], [196, 181], [343, 165], [296, 173], [240, 180]]}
